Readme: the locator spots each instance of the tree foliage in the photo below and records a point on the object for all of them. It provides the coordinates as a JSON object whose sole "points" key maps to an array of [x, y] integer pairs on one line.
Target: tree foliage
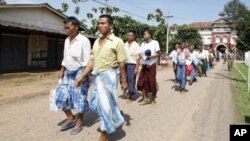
{"points": [[239, 14], [187, 34], [159, 31]]}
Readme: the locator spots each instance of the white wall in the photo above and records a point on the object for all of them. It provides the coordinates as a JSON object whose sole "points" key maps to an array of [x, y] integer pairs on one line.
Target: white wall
{"points": [[206, 36], [40, 17]]}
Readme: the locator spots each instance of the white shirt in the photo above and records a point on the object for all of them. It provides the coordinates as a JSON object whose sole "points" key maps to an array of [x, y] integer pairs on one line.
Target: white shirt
{"points": [[154, 47], [182, 55], [202, 55], [132, 52], [173, 56], [76, 52]]}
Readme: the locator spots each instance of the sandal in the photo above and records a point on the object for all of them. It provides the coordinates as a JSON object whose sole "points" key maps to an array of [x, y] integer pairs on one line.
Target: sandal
{"points": [[68, 125], [76, 131]]}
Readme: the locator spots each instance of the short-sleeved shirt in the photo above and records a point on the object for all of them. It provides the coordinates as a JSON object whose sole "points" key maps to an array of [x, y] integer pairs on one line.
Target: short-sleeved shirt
{"points": [[173, 55], [109, 54], [154, 47], [76, 52], [132, 51]]}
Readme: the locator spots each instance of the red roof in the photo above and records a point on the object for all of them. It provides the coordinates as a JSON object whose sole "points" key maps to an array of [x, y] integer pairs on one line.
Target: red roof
{"points": [[201, 24]]}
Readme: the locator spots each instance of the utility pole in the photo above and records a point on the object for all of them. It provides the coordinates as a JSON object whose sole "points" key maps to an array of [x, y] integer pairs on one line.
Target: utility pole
{"points": [[167, 17]]}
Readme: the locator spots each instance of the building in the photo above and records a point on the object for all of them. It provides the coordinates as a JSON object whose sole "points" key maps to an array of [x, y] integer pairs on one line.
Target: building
{"points": [[31, 37], [217, 34]]}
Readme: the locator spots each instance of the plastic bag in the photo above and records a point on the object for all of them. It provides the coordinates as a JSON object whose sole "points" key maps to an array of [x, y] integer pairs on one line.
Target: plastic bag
{"points": [[52, 104], [52, 98]]}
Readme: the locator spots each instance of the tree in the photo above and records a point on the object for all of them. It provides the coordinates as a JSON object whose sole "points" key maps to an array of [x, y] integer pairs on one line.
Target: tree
{"points": [[160, 30], [64, 8], [239, 14], [187, 34]]}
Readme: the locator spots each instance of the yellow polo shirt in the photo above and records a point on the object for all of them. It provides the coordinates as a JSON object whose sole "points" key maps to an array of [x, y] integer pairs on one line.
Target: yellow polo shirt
{"points": [[109, 54]]}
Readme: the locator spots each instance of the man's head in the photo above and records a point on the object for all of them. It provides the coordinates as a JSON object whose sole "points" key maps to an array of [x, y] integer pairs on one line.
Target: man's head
{"points": [[105, 24], [183, 45], [71, 25], [147, 35], [191, 48], [131, 36], [177, 46]]}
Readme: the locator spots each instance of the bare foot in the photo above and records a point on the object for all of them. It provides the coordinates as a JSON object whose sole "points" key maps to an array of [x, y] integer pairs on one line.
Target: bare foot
{"points": [[103, 136], [141, 100]]}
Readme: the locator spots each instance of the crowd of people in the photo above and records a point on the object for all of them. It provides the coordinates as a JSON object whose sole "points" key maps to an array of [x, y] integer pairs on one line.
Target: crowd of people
{"points": [[109, 63]]}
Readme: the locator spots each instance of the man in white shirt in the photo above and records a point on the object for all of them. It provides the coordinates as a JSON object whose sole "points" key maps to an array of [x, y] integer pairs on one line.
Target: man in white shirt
{"points": [[132, 63], [149, 52], [76, 56], [182, 56], [173, 56], [202, 55]]}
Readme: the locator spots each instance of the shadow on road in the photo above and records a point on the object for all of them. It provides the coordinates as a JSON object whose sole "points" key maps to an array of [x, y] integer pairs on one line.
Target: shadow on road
{"points": [[119, 133], [227, 77], [90, 118]]}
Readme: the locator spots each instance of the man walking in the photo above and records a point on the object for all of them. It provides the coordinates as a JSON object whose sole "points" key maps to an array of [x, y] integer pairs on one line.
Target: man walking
{"points": [[173, 56], [75, 58], [107, 55], [182, 56], [149, 52], [132, 64]]}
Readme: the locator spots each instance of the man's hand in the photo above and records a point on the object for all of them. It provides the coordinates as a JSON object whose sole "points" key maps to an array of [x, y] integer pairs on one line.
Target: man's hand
{"points": [[136, 71], [79, 82], [61, 74], [124, 85]]}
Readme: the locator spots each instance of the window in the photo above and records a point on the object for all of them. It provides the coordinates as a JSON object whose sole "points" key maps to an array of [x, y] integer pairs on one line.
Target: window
{"points": [[224, 39], [217, 39]]}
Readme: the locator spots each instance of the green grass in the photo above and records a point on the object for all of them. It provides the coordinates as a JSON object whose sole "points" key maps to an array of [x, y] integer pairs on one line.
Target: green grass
{"points": [[241, 95]]}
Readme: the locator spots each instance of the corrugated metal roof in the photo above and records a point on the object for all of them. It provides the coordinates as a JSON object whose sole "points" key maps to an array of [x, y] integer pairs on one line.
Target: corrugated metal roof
{"points": [[31, 27]]}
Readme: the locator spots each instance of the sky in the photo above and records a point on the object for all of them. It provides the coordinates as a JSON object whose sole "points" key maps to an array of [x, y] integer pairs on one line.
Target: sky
{"points": [[183, 11]]}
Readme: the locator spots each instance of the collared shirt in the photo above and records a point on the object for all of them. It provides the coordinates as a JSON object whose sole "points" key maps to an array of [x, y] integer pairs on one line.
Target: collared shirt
{"points": [[154, 47], [182, 55], [76, 52], [173, 56], [132, 51], [194, 55], [202, 55], [109, 54]]}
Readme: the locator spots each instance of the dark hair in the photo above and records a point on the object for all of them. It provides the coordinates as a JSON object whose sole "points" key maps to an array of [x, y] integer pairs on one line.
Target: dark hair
{"points": [[73, 20], [132, 31], [109, 18], [149, 32]]}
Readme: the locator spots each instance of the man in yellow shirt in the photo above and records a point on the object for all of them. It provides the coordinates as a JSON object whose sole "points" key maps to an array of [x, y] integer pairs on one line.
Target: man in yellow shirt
{"points": [[107, 55]]}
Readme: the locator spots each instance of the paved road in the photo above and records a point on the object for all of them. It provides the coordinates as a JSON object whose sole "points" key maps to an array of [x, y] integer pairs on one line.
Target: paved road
{"points": [[204, 113]]}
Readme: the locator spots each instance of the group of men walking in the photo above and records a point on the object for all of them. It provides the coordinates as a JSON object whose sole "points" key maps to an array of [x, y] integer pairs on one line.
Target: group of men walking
{"points": [[192, 62], [109, 63]]}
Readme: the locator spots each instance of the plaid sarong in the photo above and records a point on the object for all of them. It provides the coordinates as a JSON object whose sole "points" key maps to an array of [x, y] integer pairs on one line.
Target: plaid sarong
{"points": [[68, 96], [104, 100]]}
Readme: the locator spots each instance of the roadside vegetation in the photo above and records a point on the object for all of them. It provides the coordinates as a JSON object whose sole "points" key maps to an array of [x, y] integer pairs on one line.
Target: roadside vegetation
{"points": [[240, 94]]}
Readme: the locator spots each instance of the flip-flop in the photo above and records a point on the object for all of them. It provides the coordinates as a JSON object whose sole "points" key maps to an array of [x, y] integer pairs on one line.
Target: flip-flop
{"points": [[75, 131], [68, 125]]}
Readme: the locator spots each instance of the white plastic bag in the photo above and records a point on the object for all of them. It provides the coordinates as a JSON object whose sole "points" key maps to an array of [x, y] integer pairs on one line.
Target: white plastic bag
{"points": [[52, 96], [52, 104]]}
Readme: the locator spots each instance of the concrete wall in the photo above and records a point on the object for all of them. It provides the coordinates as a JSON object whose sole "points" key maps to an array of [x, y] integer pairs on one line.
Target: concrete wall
{"points": [[40, 17]]}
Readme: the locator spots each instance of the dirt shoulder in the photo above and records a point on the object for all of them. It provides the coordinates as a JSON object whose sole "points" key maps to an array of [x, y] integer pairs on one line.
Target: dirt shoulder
{"points": [[19, 86]]}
